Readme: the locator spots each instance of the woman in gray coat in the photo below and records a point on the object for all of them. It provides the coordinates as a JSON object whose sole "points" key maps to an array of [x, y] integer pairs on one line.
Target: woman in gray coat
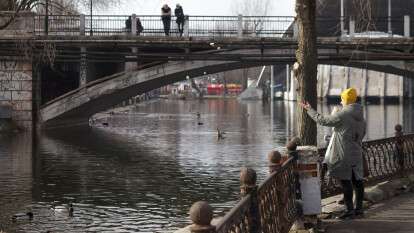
{"points": [[349, 127]]}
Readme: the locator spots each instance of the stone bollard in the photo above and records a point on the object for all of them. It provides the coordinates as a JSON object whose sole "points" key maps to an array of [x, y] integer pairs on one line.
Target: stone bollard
{"points": [[400, 148], [308, 169], [201, 214], [275, 161], [248, 185]]}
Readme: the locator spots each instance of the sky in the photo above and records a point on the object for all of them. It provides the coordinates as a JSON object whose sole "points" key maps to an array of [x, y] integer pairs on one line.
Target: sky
{"points": [[193, 7]]}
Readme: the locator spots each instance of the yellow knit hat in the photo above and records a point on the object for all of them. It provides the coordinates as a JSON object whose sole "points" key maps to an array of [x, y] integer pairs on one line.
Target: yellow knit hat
{"points": [[349, 96]]}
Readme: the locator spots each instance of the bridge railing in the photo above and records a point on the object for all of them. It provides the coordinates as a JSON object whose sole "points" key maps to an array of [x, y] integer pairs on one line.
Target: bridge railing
{"points": [[272, 206], [220, 26], [201, 26]]}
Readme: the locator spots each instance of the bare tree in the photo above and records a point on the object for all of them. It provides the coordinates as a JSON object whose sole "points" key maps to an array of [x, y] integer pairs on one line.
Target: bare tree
{"points": [[254, 25], [55, 6], [305, 68]]}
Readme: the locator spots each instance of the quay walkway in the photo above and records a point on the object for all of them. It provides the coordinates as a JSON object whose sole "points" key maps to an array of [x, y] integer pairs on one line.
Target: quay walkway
{"points": [[274, 205], [393, 216]]}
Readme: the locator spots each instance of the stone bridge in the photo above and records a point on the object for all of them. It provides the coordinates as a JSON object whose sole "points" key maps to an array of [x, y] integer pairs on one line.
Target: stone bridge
{"points": [[139, 63]]}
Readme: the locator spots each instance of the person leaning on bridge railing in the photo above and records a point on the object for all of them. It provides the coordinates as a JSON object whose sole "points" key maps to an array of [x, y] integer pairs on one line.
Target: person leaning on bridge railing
{"points": [[346, 151], [166, 18], [179, 14]]}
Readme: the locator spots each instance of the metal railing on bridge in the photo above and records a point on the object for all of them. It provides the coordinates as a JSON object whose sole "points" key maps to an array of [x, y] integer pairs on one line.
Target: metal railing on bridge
{"points": [[217, 26], [198, 26], [273, 205]]}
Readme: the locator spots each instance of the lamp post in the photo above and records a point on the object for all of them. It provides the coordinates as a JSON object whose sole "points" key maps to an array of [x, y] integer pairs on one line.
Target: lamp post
{"points": [[47, 17], [91, 18]]}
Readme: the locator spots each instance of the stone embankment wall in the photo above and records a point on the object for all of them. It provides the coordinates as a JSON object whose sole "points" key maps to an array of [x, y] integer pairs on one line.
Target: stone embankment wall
{"points": [[333, 79], [16, 85]]}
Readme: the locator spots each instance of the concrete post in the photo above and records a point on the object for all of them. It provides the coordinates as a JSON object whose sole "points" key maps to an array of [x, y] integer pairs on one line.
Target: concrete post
{"points": [[201, 215], [240, 25], [132, 65], [293, 84], [82, 24], [295, 30], [83, 67], [248, 185], [186, 29], [365, 85], [383, 88], [401, 80], [342, 19], [287, 81], [400, 147], [308, 167], [389, 18], [272, 84], [406, 25], [351, 27], [134, 24]]}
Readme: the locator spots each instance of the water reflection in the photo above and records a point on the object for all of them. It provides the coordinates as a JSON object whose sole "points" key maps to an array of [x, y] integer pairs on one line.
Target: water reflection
{"points": [[143, 171]]}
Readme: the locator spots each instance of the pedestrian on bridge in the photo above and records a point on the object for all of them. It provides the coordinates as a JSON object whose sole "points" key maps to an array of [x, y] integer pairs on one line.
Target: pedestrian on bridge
{"points": [[166, 18], [346, 149], [179, 14]]}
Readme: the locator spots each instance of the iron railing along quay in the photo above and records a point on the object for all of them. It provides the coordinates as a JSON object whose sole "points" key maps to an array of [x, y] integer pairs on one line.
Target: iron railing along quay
{"points": [[273, 205], [385, 159]]}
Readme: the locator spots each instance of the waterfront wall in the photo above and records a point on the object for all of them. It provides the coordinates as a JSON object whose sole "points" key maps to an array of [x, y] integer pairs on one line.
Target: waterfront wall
{"points": [[16, 86], [333, 79]]}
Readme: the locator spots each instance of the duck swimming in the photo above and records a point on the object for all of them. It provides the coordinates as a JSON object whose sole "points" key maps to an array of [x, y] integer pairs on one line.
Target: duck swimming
{"points": [[22, 216], [220, 134], [64, 210]]}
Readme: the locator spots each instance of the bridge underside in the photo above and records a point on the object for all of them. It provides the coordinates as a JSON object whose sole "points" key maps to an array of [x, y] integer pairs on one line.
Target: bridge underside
{"points": [[77, 106]]}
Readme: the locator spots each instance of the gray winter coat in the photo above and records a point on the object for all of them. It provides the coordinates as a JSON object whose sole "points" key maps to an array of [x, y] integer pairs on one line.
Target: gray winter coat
{"points": [[349, 126]]}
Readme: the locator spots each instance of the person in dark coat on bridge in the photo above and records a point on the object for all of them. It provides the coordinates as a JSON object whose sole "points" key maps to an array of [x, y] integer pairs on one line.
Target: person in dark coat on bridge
{"points": [[166, 18], [128, 24], [179, 14], [140, 28], [346, 158]]}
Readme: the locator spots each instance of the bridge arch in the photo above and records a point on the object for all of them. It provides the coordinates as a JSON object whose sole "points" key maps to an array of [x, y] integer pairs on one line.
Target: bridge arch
{"points": [[77, 106]]}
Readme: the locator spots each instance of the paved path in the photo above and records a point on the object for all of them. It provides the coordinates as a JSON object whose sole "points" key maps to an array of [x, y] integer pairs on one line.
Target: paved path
{"points": [[393, 216]]}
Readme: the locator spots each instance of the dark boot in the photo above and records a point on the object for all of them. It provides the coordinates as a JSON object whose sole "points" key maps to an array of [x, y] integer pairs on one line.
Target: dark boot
{"points": [[359, 196], [348, 214]]}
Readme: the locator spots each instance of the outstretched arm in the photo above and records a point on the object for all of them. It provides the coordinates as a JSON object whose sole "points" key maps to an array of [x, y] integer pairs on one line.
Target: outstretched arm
{"points": [[329, 120]]}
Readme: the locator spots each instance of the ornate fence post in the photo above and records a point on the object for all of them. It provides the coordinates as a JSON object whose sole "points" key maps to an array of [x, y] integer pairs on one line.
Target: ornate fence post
{"points": [[291, 151], [248, 185], [274, 158], [201, 214], [400, 147]]}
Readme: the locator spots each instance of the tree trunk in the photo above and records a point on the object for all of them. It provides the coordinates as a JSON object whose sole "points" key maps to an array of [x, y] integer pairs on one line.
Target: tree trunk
{"points": [[305, 68]]}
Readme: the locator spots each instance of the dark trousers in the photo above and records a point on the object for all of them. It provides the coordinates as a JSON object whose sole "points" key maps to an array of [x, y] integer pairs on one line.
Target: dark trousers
{"points": [[180, 25], [167, 25], [348, 189]]}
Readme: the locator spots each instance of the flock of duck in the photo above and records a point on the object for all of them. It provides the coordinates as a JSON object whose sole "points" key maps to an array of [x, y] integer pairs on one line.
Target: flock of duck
{"points": [[56, 209], [220, 133]]}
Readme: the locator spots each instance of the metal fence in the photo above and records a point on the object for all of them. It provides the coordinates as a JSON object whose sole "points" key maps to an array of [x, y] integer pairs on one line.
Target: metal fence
{"points": [[217, 26], [200, 26], [385, 158], [271, 207], [268, 208]]}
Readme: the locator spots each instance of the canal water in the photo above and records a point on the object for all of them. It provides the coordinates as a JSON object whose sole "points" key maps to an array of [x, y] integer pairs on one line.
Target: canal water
{"points": [[143, 168]]}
